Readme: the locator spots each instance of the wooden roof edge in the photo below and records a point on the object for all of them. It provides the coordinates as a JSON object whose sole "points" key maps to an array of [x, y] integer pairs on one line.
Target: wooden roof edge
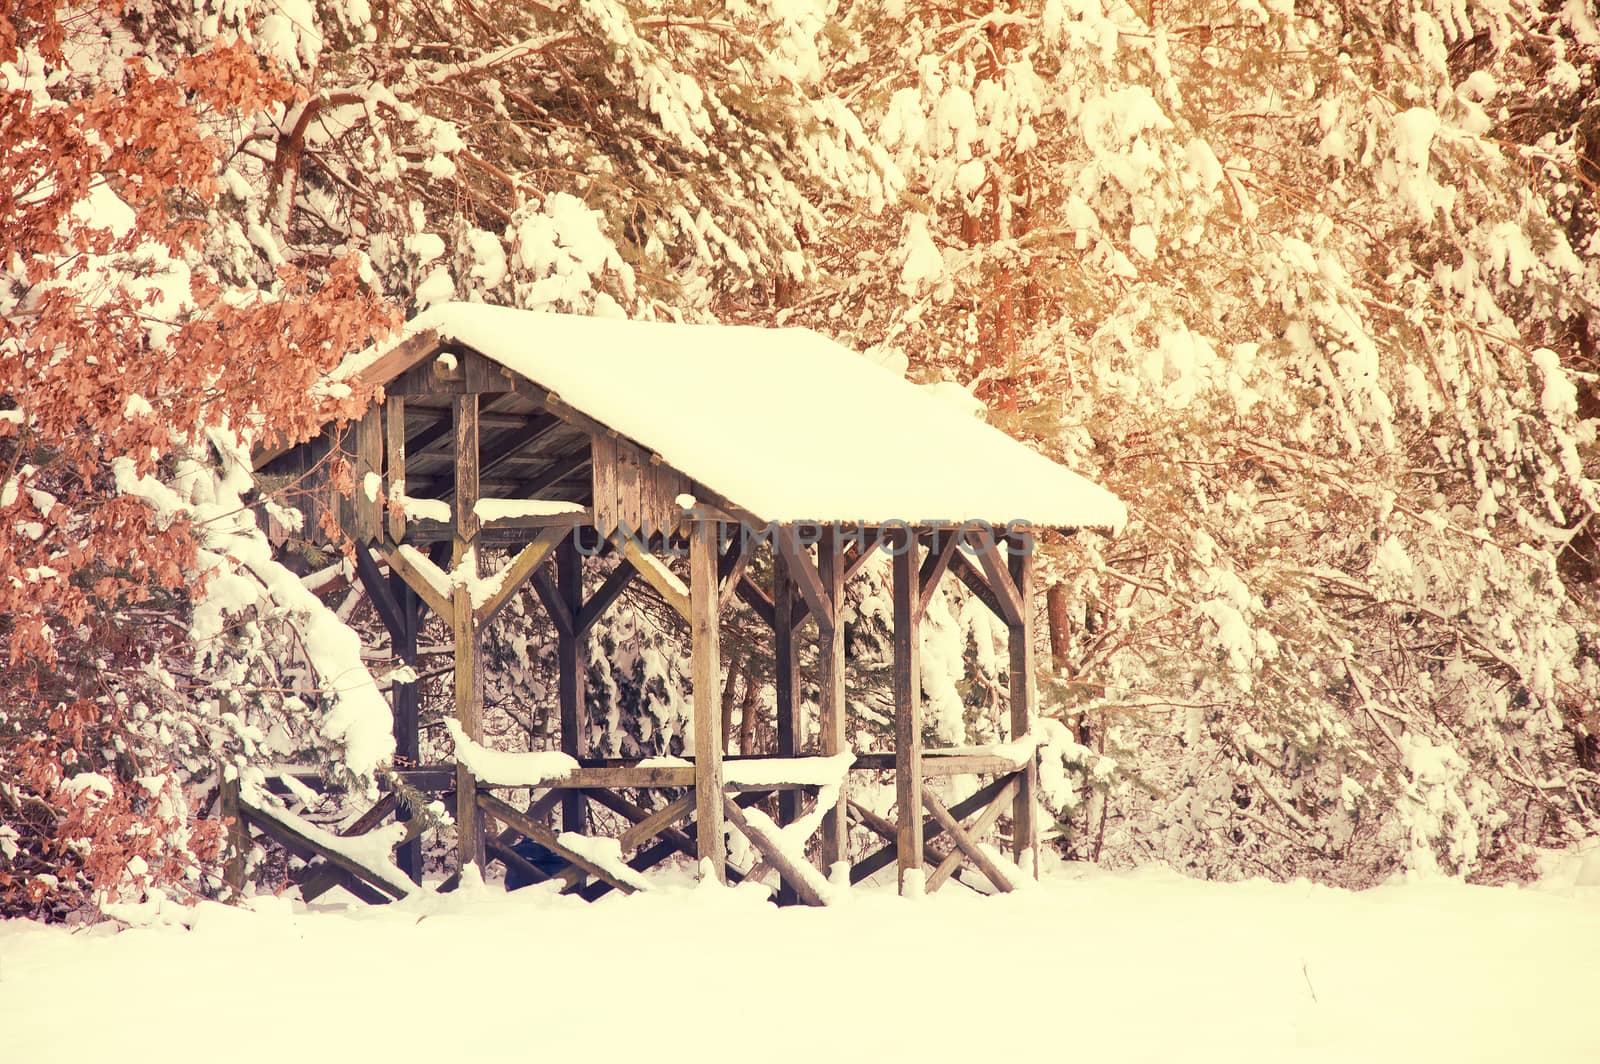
{"points": [[381, 370]]}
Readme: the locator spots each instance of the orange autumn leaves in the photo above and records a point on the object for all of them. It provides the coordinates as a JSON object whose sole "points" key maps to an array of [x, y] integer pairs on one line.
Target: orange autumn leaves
{"points": [[118, 342]]}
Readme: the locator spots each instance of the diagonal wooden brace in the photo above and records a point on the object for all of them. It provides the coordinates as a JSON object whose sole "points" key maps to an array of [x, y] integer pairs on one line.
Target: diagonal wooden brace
{"points": [[985, 821], [518, 570], [965, 843]]}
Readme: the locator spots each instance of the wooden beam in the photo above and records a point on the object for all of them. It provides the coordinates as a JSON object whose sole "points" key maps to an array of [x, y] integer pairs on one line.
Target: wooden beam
{"points": [[965, 843], [564, 467], [1024, 691], [774, 855], [397, 562], [658, 576], [514, 817], [889, 831], [319, 883], [886, 855], [730, 569], [430, 434], [394, 466], [287, 834], [501, 529], [672, 841], [992, 559], [612, 777], [648, 827], [544, 586], [368, 499], [862, 556], [707, 674], [944, 547], [831, 697], [521, 440], [519, 569], [401, 357], [970, 576], [614, 585], [406, 704], [751, 595], [786, 681], [378, 593], [465, 630], [980, 827], [937, 764], [907, 642], [467, 479], [672, 838], [804, 574], [571, 675]]}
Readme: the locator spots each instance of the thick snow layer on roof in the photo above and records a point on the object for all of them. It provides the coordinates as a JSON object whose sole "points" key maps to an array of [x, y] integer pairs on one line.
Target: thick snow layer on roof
{"points": [[782, 422]]}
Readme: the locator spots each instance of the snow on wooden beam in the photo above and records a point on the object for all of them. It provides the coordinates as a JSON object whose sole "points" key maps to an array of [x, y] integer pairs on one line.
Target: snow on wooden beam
{"points": [[509, 580], [657, 575], [431, 583], [568, 845]]}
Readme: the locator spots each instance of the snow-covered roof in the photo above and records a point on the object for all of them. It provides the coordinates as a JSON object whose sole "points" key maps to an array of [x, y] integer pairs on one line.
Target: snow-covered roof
{"points": [[784, 423]]}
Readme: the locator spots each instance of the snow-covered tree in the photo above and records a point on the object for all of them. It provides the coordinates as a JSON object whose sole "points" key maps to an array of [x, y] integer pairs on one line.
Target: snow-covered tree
{"points": [[1293, 287], [130, 565]]}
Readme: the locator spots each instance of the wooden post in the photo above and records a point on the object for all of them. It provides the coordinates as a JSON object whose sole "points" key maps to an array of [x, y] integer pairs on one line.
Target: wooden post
{"points": [[908, 710], [790, 724], [570, 674], [394, 465], [407, 704], [1025, 807], [369, 483], [233, 873], [830, 681], [464, 624], [708, 740]]}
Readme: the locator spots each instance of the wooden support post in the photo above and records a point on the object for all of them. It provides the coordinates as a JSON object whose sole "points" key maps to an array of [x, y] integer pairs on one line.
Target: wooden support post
{"points": [[908, 710], [1025, 809], [394, 465], [465, 629], [407, 706], [369, 483], [570, 674], [790, 723], [707, 670], [831, 708], [238, 833]]}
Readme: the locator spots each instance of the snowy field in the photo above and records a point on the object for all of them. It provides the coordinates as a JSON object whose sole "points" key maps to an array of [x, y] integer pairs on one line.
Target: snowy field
{"points": [[1083, 967]]}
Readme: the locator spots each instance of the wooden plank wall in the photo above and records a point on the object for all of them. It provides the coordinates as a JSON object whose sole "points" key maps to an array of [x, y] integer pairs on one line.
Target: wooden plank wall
{"points": [[634, 489]]}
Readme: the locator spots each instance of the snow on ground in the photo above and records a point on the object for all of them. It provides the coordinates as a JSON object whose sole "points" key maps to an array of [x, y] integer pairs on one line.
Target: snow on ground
{"points": [[1086, 966]]}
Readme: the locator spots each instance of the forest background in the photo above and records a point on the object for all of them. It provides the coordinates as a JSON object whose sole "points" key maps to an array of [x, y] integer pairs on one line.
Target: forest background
{"points": [[1314, 287]]}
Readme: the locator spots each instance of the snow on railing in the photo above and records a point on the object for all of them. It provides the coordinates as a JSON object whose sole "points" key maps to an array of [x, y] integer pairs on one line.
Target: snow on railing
{"points": [[505, 768], [373, 851], [491, 510]]}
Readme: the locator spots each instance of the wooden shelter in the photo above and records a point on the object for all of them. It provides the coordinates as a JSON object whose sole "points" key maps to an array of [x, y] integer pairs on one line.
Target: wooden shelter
{"points": [[552, 437]]}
